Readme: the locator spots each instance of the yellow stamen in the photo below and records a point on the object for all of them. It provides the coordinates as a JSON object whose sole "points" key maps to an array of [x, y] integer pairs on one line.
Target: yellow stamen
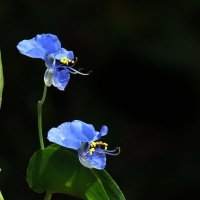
{"points": [[65, 60], [91, 150], [93, 144]]}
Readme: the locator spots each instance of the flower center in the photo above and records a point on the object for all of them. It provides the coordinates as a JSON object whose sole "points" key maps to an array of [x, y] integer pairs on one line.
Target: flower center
{"points": [[99, 143], [70, 63], [65, 60], [94, 145]]}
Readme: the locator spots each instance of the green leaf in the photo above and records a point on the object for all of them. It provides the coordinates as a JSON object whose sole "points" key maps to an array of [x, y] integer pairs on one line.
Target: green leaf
{"points": [[1, 196], [58, 170], [1, 80]]}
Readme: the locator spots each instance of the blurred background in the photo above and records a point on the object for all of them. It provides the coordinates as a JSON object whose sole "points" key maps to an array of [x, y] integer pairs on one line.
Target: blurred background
{"points": [[145, 86]]}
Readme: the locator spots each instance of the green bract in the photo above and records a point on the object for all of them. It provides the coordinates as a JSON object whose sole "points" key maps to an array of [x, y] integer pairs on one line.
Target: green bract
{"points": [[58, 170]]}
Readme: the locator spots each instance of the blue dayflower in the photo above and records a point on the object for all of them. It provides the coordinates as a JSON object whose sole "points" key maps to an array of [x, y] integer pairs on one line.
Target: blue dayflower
{"points": [[83, 138], [59, 61]]}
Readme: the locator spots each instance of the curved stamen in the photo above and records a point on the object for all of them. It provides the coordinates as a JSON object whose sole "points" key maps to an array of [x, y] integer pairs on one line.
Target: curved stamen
{"points": [[74, 61], [109, 152], [80, 69], [71, 70], [74, 71], [113, 154], [62, 64]]}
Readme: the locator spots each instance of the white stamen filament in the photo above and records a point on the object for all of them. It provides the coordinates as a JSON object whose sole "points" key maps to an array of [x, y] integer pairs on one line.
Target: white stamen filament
{"points": [[74, 71], [109, 152]]}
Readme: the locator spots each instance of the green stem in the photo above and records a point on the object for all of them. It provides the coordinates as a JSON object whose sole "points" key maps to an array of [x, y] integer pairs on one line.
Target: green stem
{"points": [[1, 196], [40, 117], [1, 80], [48, 195]]}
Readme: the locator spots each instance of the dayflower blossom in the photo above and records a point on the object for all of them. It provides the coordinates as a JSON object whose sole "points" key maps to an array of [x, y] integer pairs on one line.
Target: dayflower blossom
{"points": [[59, 61], [83, 138]]}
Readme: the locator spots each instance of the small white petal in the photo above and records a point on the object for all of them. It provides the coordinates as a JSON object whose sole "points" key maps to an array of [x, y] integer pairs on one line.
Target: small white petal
{"points": [[48, 77], [85, 163]]}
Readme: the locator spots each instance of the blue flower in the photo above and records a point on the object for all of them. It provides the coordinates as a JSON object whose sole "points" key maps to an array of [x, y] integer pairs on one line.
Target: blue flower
{"points": [[59, 61], [83, 138]]}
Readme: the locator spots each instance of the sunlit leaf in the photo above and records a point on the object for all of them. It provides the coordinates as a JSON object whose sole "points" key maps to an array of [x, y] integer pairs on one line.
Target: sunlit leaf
{"points": [[1, 196], [59, 171]]}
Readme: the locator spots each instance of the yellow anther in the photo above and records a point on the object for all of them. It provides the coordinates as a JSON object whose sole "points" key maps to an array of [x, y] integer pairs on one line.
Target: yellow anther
{"points": [[93, 144], [64, 60], [75, 60], [99, 142], [91, 150]]}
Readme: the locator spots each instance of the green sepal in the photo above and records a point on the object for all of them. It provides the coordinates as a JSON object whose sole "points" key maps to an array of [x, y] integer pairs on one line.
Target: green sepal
{"points": [[58, 170], [1, 80]]}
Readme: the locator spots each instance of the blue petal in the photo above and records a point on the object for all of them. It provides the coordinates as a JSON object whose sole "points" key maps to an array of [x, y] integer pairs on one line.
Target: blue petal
{"points": [[71, 135], [80, 130], [96, 160], [56, 135], [40, 46], [63, 53], [103, 131], [87, 130], [61, 77]]}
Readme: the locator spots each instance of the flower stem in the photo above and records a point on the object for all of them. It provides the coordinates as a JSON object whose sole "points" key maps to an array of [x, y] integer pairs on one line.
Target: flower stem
{"points": [[48, 195], [1, 196], [40, 116]]}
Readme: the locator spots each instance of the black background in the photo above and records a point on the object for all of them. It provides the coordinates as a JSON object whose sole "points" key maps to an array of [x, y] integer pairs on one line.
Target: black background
{"points": [[145, 87]]}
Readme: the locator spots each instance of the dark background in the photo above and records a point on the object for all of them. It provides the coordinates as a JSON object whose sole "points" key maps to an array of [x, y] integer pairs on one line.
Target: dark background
{"points": [[145, 86]]}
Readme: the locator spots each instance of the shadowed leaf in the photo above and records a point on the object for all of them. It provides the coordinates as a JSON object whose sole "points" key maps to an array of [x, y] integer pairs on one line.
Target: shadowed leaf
{"points": [[58, 170]]}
